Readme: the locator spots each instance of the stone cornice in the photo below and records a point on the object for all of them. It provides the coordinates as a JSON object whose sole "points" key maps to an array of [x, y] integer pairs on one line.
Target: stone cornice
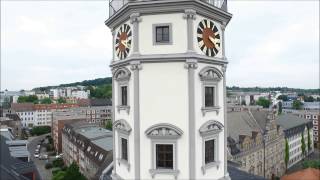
{"points": [[167, 6], [159, 58]]}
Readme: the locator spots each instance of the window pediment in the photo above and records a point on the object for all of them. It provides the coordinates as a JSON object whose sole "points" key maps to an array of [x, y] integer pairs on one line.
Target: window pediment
{"points": [[122, 74], [123, 126], [164, 130], [210, 74], [211, 127]]}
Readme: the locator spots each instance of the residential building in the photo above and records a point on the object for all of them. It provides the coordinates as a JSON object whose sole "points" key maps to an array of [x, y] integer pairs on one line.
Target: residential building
{"points": [[13, 123], [37, 114], [294, 129], [89, 145], [169, 89], [255, 141], [14, 164], [62, 117], [311, 115]]}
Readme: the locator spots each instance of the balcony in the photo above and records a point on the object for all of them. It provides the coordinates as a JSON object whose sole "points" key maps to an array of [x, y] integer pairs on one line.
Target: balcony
{"points": [[115, 5]]}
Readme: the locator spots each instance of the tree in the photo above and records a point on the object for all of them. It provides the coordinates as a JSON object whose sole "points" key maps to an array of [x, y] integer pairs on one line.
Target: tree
{"points": [[303, 145], [309, 141], [39, 130], [104, 91], [26, 99], [73, 172], [265, 103], [62, 100], [109, 125], [297, 104], [286, 157], [308, 99], [283, 97], [58, 163], [59, 175], [46, 101], [279, 107]]}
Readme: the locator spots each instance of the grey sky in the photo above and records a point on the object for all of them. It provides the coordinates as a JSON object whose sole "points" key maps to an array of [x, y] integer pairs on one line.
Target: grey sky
{"points": [[269, 43]]}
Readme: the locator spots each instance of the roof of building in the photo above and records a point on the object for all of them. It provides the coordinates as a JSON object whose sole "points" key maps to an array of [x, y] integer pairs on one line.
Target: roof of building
{"points": [[237, 174], [19, 107], [309, 174], [94, 102], [288, 121]]}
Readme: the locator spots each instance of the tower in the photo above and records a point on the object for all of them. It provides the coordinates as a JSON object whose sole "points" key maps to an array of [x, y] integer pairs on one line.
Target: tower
{"points": [[169, 89]]}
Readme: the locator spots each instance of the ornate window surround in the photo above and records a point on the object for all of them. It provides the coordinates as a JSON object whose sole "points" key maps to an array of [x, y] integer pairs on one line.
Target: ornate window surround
{"points": [[210, 130], [164, 133], [124, 130], [122, 76], [210, 77]]}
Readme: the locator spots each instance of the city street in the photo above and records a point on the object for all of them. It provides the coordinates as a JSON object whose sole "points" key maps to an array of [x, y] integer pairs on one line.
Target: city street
{"points": [[44, 173]]}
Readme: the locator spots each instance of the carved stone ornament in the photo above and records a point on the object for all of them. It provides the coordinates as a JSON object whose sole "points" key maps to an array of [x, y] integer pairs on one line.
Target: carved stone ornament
{"points": [[211, 127], [122, 74], [189, 14], [164, 130], [122, 125], [210, 74], [135, 18]]}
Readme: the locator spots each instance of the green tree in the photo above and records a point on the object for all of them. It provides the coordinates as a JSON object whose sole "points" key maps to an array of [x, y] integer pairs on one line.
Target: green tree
{"points": [[59, 175], [265, 103], [46, 101], [308, 99], [104, 91], [279, 107], [109, 125], [309, 141], [28, 99], [283, 97], [73, 172], [303, 145], [286, 155], [61, 100], [58, 163], [39, 130], [297, 104]]}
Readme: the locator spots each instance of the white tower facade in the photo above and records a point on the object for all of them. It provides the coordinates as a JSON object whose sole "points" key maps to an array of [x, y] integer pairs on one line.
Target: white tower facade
{"points": [[169, 89]]}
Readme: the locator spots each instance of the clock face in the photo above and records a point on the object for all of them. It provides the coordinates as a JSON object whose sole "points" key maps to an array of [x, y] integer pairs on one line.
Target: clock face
{"points": [[123, 41], [208, 37]]}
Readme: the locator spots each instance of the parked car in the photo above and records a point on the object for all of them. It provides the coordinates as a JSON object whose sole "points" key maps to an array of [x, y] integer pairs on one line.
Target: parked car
{"points": [[59, 156], [43, 157], [36, 155], [37, 151], [38, 146]]}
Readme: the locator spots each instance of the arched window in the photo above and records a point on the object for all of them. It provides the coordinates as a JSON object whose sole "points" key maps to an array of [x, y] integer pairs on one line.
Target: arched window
{"points": [[164, 148], [209, 132], [210, 77], [122, 76], [124, 130]]}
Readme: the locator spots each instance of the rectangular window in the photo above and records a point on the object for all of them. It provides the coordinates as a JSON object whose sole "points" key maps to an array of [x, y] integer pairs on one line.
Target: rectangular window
{"points": [[209, 96], [209, 151], [124, 149], [162, 34], [164, 156], [124, 96]]}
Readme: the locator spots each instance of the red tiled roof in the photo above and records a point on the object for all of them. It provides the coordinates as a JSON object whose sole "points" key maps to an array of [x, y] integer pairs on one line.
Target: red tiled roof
{"points": [[306, 174]]}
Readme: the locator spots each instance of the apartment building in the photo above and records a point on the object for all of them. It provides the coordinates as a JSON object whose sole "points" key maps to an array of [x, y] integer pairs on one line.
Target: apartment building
{"points": [[89, 145], [311, 115], [37, 114], [255, 141], [294, 129]]}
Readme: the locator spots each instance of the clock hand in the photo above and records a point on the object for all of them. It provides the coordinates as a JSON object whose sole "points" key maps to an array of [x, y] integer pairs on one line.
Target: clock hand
{"points": [[124, 42], [213, 40]]}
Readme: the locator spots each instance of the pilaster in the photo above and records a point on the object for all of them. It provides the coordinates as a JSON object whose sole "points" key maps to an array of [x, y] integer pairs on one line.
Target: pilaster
{"points": [[190, 16], [135, 67], [191, 65], [224, 69], [134, 20]]}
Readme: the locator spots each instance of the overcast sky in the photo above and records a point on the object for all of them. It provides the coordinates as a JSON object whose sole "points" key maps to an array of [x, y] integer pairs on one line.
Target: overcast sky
{"points": [[268, 43]]}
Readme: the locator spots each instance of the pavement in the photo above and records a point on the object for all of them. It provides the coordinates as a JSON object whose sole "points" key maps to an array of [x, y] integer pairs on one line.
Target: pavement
{"points": [[45, 174]]}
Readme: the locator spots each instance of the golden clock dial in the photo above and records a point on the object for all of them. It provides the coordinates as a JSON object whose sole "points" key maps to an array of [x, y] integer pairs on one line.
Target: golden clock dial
{"points": [[208, 37], [123, 41]]}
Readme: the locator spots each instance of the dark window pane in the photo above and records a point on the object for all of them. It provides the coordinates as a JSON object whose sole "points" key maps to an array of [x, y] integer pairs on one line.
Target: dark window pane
{"points": [[124, 148], [162, 34], [209, 96], [124, 95], [164, 156], [209, 151]]}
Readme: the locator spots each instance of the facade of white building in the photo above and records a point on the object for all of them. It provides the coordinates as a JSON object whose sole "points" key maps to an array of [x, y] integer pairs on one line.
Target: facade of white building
{"points": [[169, 89]]}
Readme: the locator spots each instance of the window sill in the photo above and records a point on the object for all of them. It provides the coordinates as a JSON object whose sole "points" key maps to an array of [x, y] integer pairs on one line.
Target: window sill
{"points": [[126, 108], [162, 43], [124, 162], [210, 165], [175, 173], [210, 109]]}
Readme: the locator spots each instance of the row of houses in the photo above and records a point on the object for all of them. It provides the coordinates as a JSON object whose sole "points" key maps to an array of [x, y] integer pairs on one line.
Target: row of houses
{"points": [[257, 139]]}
